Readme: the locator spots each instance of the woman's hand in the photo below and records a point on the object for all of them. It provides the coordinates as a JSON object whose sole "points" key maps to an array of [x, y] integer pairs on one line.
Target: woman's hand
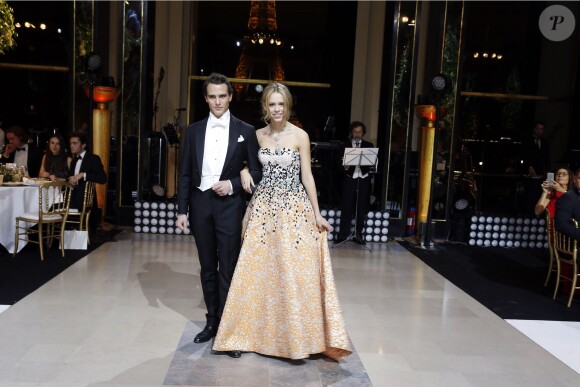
{"points": [[43, 174], [558, 187], [545, 187], [323, 223], [247, 181]]}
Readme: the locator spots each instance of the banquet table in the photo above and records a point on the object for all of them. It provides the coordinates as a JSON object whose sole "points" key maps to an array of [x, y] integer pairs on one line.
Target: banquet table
{"points": [[15, 201]]}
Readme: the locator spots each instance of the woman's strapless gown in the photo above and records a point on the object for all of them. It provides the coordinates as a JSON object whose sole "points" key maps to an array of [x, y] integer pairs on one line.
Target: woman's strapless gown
{"points": [[282, 300]]}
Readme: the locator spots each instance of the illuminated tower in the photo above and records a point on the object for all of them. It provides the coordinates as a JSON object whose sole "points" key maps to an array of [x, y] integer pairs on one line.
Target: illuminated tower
{"points": [[260, 47]]}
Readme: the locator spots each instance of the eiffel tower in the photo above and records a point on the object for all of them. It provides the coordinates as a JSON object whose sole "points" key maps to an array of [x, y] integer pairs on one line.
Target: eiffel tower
{"points": [[260, 57]]}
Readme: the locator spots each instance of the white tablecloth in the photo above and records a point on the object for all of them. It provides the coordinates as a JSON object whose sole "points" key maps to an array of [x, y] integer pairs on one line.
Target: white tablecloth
{"points": [[15, 201]]}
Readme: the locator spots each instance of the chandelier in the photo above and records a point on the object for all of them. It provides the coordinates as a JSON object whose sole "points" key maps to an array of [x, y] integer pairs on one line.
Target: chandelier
{"points": [[264, 38]]}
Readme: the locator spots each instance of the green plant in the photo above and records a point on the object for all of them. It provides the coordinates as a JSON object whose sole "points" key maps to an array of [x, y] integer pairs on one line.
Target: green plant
{"points": [[7, 29]]}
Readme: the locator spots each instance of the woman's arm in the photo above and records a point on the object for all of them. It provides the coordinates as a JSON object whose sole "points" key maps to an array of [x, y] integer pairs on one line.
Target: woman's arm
{"points": [[43, 172], [307, 177], [246, 180], [543, 201]]}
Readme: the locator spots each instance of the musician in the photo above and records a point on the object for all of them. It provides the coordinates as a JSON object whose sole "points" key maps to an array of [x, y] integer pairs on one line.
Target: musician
{"points": [[536, 162], [355, 178]]}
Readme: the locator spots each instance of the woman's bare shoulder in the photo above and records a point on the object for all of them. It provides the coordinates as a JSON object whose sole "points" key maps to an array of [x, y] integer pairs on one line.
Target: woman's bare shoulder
{"points": [[262, 130], [300, 133]]}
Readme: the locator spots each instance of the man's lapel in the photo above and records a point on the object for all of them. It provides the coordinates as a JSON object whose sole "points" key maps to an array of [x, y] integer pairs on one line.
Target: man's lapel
{"points": [[233, 140], [200, 143]]}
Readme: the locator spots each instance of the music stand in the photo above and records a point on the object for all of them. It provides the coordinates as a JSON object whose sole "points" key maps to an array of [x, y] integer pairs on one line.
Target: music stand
{"points": [[170, 135], [358, 157], [173, 140]]}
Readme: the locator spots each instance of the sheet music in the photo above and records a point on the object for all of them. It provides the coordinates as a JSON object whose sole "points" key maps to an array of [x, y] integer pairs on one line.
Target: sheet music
{"points": [[360, 157]]}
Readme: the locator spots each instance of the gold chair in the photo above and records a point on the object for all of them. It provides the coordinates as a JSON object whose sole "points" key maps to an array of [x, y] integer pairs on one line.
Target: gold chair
{"points": [[53, 203], [81, 215], [550, 231], [566, 251]]}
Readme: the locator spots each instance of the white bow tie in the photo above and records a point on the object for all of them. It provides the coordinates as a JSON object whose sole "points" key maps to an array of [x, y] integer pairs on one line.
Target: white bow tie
{"points": [[218, 124]]}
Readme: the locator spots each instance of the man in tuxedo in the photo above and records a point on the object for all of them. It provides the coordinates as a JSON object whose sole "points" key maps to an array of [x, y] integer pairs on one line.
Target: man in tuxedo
{"points": [[84, 167], [536, 149], [568, 207], [355, 178], [214, 151], [20, 152], [536, 163]]}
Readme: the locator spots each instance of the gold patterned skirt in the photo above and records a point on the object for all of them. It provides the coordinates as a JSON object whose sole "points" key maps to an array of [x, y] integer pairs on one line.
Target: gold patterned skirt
{"points": [[283, 300]]}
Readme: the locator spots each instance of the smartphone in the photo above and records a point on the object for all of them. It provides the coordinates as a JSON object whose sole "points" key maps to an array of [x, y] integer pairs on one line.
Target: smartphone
{"points": [[550, 179]]}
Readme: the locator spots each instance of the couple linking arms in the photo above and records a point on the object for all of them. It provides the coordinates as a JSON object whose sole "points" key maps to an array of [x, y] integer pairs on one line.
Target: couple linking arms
{"points": [[282, 300]]}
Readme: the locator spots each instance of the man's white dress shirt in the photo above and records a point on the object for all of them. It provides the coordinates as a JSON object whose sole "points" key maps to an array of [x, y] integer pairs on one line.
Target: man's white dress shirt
{"points": [[215, 148]]}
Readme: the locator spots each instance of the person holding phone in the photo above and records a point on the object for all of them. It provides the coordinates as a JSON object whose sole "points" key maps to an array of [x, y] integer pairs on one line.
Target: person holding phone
{"points": [[552, 188]]}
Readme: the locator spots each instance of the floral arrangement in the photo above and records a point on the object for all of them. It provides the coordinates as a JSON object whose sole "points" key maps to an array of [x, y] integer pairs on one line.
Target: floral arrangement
{"points": [[7, 29]]}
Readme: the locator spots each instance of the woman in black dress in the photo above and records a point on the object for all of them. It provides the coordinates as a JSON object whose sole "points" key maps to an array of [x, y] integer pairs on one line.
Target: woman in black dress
{"points": [[55, 162]]}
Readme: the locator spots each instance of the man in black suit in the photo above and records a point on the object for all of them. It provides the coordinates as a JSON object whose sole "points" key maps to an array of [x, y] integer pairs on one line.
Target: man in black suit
{"points": [[20, 152], [568, 207], [536, 163], [355, 178], [536, 156], [214, 151], [84, 167]]}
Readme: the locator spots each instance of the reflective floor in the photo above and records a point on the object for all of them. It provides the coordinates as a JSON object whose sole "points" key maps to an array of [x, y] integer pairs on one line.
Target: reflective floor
{"points": [[124, 316]]}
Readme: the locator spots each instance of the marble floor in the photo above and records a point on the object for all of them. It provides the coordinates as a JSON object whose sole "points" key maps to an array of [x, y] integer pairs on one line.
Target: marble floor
{"points": [[124, 316]]}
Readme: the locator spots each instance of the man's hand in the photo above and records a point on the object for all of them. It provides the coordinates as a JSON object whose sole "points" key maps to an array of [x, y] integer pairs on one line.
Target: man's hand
{"points": [[222, 188], [9, 149], [74, 180], [181, 222]]}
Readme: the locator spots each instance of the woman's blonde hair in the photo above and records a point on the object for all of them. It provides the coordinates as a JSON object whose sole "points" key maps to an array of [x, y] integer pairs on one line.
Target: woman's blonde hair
{"points": [[272, 88]]}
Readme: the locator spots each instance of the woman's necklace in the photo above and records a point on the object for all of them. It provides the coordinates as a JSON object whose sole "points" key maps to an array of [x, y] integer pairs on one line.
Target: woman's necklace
{"points": [[276, 137]]}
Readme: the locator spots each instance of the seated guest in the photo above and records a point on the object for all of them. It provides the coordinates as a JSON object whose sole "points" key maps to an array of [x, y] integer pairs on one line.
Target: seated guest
{"points": [[568, 207], [20, 152], [55, 162], [84, 167], [2, 134], [560, 185]]}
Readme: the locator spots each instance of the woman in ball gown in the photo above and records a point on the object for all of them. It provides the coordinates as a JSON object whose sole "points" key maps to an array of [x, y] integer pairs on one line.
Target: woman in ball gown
{"points": [[55, 162], [549, 195], [283, 300]]}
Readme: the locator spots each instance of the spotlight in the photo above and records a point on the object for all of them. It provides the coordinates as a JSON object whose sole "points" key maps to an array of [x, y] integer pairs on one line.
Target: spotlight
{"points": [[92, 62], [158, 192], [461, 204], [441, 83]]}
